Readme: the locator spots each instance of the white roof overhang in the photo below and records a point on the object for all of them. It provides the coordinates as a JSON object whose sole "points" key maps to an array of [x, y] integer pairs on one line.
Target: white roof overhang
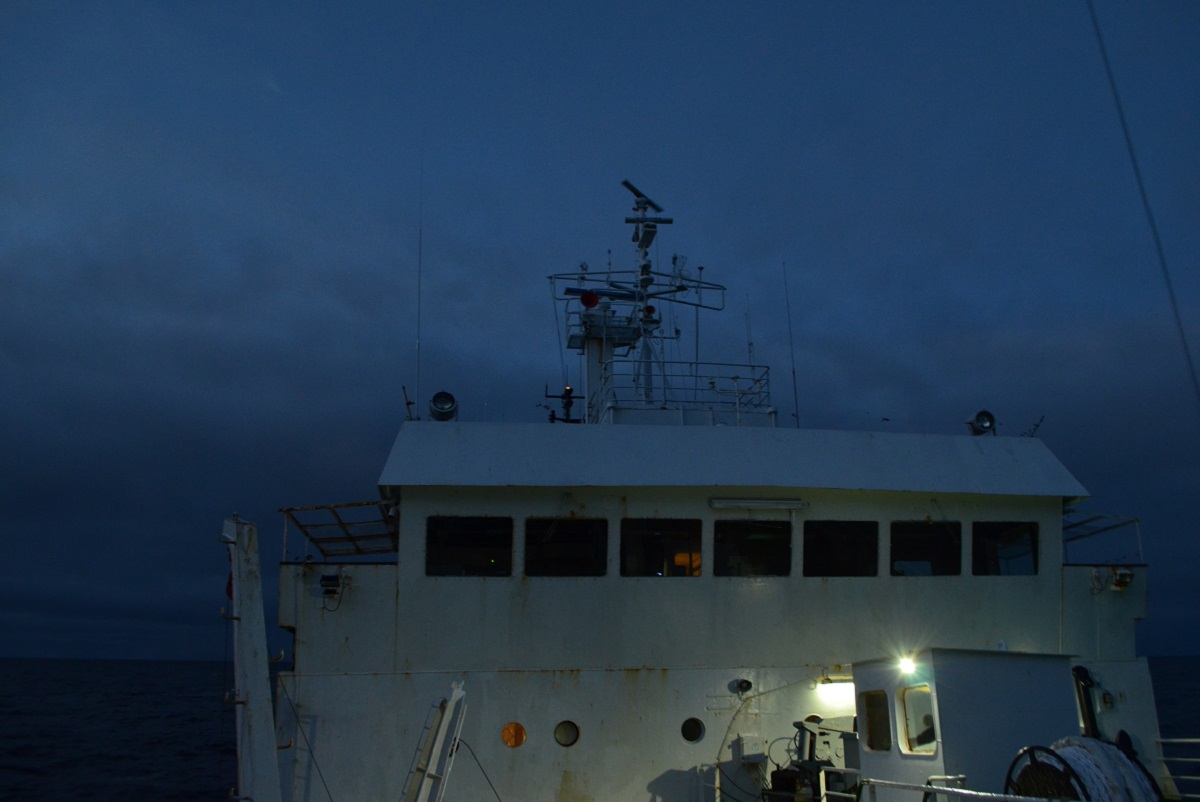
{"points": [[430, 453]]}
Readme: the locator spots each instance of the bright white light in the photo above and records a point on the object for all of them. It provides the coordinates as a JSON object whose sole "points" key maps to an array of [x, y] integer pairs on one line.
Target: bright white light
{"points": [[837, 698], [907, 666]]}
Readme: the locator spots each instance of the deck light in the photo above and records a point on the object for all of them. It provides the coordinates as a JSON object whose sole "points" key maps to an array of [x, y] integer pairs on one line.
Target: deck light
{"points": [[836, 694], [907, 665]]}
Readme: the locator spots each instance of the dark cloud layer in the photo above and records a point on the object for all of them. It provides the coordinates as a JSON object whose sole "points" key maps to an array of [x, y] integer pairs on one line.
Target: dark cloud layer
{"points": [[210, 219]]}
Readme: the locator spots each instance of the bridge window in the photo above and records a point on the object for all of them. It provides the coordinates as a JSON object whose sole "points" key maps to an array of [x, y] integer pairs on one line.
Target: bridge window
{"points": [[468, 546], [566, 546], [841, 548], [752, 548], [919, 734], [1004, 548], [660, 547], [926, 548]]}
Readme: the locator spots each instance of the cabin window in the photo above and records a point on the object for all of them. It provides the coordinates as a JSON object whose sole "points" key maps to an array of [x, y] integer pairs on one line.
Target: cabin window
{"points": [[566, 546], [692, 730], [1004, 548], [874, 705], [926, 548], [841, 548], [660, 547], [919, 734], [752, 548], [468, 546]]}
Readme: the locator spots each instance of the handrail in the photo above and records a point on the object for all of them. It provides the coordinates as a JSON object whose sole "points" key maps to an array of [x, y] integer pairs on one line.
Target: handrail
{"points": [[685, 384], [1190, 780], [964, 793]]}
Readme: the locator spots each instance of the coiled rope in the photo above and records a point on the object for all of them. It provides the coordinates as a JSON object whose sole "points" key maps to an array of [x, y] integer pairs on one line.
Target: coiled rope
{"points": [[1106, 772]]}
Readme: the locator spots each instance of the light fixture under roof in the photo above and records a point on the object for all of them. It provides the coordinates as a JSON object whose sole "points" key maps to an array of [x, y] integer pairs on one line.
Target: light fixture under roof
{"points": [[757, 503]]}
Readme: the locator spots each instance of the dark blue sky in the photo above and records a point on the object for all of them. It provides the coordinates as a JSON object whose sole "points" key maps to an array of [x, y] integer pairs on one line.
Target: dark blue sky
{"points": [[209, 221]]}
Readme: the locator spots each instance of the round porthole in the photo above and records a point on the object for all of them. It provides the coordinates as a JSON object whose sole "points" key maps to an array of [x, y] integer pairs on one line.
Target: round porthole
{"points": [[692, 730], [513, 734], [566, 733]]}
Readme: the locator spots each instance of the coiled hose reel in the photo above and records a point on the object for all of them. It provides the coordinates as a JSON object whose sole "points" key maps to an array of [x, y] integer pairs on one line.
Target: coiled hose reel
{"points": [[1086, 769]]}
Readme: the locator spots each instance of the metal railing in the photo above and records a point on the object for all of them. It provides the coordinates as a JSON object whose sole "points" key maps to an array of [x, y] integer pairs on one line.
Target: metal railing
{"points": [[1182, 756], [867, 788], [710, 385]]}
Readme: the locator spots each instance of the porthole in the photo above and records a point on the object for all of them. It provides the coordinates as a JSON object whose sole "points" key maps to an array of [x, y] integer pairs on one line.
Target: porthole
{"points": [[513, 734], [566, 733], [692, 730]]}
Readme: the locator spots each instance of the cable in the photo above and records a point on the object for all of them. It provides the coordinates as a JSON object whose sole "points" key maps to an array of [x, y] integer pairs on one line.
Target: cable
{"points": [[1141, 185], [225, 713], [307, 745], [480, 765], [558, 336], [740, 789], [787, 301]]}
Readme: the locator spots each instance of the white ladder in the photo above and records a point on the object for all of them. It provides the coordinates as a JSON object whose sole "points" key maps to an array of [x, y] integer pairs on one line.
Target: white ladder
{"points": [[435, 754]]}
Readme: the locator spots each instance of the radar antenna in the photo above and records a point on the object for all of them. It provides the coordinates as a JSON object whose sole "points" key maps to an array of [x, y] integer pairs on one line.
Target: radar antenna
{"points": [[619, 311]]}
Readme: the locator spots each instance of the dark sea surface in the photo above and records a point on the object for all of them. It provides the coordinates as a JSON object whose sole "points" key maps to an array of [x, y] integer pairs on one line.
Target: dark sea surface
{"points": [[101, 730]]}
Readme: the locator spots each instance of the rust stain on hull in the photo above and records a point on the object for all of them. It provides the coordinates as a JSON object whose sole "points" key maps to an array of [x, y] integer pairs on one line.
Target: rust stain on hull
{"points": [[572, 789]]}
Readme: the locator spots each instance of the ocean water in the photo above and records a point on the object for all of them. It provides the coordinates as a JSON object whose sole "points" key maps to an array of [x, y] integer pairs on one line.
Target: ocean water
{"points": [[101, 730]]}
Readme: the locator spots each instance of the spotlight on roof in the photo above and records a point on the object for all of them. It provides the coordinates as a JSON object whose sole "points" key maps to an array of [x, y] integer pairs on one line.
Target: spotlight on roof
{"points": [[443, 406], [984, 422]]}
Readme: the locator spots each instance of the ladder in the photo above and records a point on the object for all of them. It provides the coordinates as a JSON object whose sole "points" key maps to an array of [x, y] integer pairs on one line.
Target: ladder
{"points": [[435, 753]]}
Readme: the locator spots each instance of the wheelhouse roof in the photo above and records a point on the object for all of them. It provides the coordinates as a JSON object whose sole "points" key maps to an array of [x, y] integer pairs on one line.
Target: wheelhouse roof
{"points": [[452, 453]]}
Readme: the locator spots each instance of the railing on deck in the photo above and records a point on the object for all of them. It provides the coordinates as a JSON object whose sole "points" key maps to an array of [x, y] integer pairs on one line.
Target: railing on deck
{"points": [[709, 385], [1182, 756], [947, 786], [1093, 538], [867, 788]]}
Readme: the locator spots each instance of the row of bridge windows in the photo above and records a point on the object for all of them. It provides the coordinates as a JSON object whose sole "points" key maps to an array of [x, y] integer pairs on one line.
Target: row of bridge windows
{"points": [[483, 546]]}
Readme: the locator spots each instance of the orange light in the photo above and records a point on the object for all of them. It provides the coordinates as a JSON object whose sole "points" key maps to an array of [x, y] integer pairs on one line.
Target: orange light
{"points": [[689, 561], [513, 734]]}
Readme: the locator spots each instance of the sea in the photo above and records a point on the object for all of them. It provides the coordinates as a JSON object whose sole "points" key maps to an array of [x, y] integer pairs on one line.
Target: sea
{"points": [[126, 730]]}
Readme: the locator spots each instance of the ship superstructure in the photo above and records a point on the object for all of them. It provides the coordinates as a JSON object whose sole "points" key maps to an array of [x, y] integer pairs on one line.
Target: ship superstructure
{"points": [[666, 596]]}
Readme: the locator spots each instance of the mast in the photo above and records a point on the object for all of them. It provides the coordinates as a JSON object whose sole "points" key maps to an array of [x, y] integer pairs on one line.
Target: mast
{"points": [[617, 315]]}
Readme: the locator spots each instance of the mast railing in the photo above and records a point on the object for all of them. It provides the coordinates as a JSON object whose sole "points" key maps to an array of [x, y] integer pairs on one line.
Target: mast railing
{"points": [[688, 385]]}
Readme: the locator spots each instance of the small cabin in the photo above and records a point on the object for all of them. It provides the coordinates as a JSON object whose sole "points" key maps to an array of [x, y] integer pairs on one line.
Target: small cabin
{"points": [[948, 713]]}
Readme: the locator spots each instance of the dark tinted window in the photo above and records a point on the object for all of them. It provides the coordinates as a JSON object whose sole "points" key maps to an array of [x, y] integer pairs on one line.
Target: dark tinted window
{"points": [[660, 547], [841, 548], [926, 548], [468, 546], [566, 546], [879, 720], [1004, 548], [752, 548]]}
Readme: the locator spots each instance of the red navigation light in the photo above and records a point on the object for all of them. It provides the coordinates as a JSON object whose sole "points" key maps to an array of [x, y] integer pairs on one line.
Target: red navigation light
{"points": [[649, 311], [589, 299]]}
